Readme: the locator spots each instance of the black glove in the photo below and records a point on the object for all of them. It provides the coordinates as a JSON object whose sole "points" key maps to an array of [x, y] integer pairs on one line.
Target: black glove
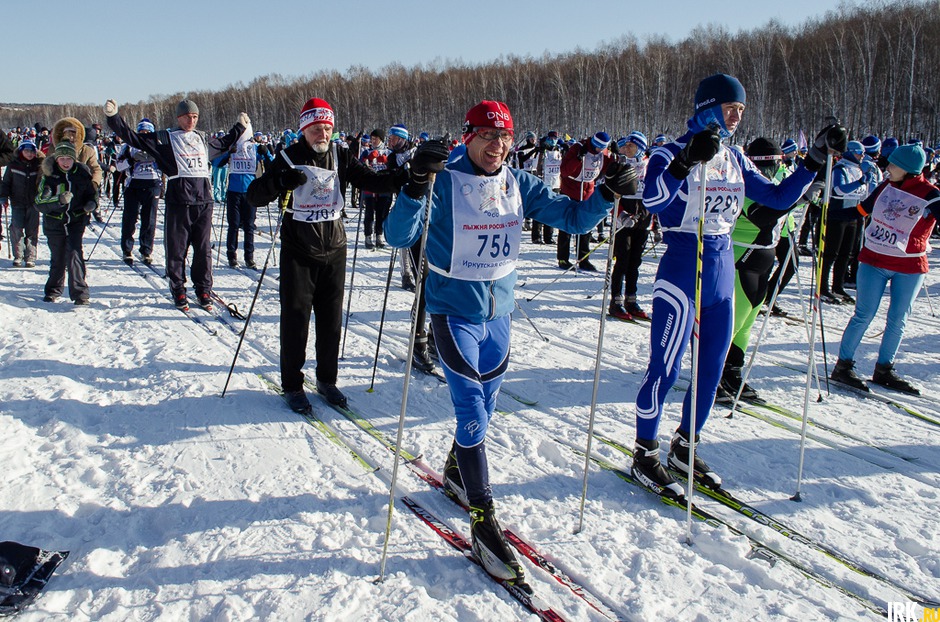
{"points": [[834, 137], [702, 147], [291, 178], [620, 179], [430, 157]]}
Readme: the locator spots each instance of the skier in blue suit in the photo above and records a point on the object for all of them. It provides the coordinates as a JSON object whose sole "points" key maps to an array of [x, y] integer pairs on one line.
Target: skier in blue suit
{"points": [[672, 190], [474, 235]]}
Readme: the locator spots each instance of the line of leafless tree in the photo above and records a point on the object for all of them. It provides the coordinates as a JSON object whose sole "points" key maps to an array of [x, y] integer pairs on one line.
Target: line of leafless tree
{"points": [[875, 67]]}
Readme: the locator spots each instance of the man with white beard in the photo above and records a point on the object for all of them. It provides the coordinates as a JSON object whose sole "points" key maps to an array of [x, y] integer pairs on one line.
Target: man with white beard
{"points": [[313, 245]]}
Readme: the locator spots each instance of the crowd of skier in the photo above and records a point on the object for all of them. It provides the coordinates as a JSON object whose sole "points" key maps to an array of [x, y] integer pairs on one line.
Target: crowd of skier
{"points": [[732, 222]]}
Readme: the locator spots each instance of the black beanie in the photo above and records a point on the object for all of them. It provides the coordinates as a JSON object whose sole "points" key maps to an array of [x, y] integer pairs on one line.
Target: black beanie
{"points": [[380, 134]]}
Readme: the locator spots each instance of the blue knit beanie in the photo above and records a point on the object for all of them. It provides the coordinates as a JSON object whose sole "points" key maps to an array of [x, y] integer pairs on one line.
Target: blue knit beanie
{"points": [[855, 148], [398, 130], [600, 141], [717, 90], [638, 139], [145, 125], [911, 158], [711, 93], [788, 146], [872, 144]]}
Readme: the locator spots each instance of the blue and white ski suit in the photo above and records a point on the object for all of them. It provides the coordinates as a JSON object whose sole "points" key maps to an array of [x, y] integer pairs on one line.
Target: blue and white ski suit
{"points": [[731, 177]]}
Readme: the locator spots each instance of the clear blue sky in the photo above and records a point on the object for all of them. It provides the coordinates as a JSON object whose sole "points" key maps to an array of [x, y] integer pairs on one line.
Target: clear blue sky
{"points": [[90, 51]]}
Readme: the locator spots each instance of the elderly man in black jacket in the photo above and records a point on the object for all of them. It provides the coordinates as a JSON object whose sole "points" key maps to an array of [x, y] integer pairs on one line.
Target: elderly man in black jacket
{"points": [[313, 245]]}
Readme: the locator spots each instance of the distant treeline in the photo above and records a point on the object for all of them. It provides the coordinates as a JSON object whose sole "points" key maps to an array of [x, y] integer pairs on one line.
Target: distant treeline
{"points": [[875, 67]]}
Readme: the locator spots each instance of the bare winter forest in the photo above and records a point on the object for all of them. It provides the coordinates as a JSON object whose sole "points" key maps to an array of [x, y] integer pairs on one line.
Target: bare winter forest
{"points": [[874, 67]]}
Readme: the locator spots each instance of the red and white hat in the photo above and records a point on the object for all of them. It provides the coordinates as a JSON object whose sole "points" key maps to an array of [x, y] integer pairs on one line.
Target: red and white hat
{"points": [[316, 110], [486, 114]]}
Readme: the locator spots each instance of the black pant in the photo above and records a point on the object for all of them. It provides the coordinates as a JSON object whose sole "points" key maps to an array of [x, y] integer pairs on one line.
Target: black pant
{"points": [[628, 250], [813, 212], [241, 215], [310, 284], [541, 232], [564, 246], [188, 225], [377, 206], [65, 255], [784, 265], [139, 201], [840, 236]]}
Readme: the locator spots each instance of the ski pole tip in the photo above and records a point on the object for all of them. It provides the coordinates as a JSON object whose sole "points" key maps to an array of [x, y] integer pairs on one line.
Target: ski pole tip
{"points": [[797, 497]]}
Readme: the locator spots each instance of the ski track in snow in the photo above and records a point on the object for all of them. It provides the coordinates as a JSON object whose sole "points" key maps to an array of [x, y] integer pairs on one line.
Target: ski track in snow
{"points": [[178, 504]]}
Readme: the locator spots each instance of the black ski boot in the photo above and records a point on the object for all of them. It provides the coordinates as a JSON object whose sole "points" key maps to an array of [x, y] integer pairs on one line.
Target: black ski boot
{"points": [[421, 358], [298, 402], [887, 377], [490, 546], [649, 471], [453, 483], [679, 460], [732, 381], [331, 393], [844, 372]]}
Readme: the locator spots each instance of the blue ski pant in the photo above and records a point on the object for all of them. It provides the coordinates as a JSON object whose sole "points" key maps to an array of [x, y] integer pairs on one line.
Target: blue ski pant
{"points": [[474, 358], [671, 328], [871, 283]]}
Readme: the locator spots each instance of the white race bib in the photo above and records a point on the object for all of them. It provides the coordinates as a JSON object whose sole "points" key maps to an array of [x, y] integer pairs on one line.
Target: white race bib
{"points": [[591, 167], [724, 196], [551, 168], [487, 214], [244, 160], [893, 217], [192, 157], [318, 200]]}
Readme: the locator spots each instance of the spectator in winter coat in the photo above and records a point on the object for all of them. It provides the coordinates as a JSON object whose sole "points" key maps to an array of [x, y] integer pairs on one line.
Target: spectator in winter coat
{"points": [[66, 197], [477, 205], [184, 155], [18, 189], [71, 129], [903, 210], [313, 245]]}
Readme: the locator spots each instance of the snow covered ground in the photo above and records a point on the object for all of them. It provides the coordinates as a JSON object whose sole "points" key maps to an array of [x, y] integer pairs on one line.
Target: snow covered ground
{"points": [[178, 504]]}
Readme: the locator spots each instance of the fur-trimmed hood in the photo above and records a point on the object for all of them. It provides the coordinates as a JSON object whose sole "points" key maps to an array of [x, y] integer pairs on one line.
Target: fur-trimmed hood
{"points": [[67, 122], [86, 154]]}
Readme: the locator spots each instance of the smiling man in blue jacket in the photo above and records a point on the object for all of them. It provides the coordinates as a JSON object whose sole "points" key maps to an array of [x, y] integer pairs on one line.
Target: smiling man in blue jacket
{"points": [[474, 233]]}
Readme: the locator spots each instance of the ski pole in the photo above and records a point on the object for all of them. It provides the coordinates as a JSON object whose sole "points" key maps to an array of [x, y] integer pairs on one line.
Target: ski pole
{"points": [[101, 233], [251, 310], [822, 337], [352, 277], [6, 218], [696, 337], [553, 281], [378, 343], [927, 293], [811, 362], [419, 285], [763, 329], [218, 238], [804, 314], [531, 323], [614, 228]]}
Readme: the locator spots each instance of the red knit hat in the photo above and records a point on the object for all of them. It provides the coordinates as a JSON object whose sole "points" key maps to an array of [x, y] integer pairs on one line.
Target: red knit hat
{"points": [[316, 110], [486, 114]]}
